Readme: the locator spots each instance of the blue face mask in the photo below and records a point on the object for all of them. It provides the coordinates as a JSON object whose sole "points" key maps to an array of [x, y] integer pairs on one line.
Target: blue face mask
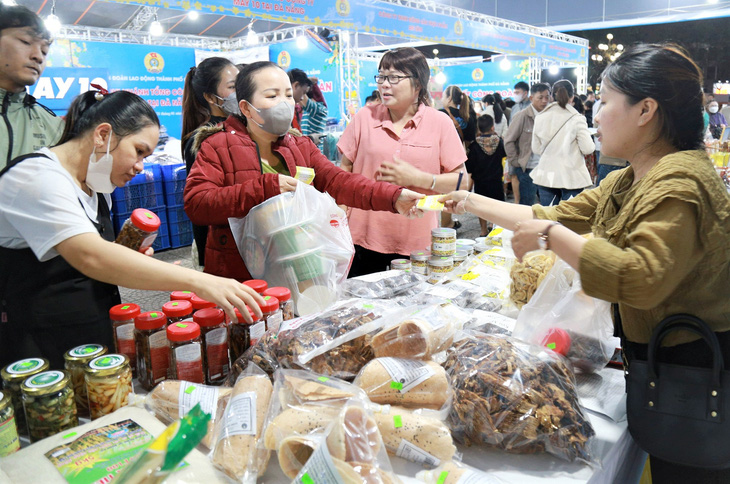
{"points": [[277, 119]]}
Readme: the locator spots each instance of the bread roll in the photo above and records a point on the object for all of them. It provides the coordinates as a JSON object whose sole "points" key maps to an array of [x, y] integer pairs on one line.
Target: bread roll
{"points": [[432, 393], [428, 434], [297, 420], [355, 436]]}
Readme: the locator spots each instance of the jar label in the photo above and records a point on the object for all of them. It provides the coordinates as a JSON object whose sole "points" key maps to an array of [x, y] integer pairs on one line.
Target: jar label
{"points": [[25, 366], [443, 249], [159, 356], [273, 322], [257, 332], [216, 349], [45, 379], [216, 336], [189, 363], [125, 340], [106, 362], [9, 441], [240, 416], [413, 453], [191, 394], [406, 374]]}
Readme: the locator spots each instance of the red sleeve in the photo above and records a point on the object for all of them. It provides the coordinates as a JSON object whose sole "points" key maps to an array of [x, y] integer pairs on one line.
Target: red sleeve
{"points": [[209, 201]]}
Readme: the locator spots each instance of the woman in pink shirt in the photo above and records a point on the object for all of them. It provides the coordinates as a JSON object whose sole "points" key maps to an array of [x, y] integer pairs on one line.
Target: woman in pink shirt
{"points": [[403, 141]]}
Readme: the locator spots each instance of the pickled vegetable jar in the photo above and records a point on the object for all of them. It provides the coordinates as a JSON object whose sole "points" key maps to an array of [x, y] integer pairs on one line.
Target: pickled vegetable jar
{"points": [[9, 440], [49, 404], [271, 317], [75, 361], [109, 383], [13, 376], [240, 336]]}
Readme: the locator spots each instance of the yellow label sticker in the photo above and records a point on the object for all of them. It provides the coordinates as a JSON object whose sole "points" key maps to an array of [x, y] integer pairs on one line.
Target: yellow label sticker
{"points": [[430, 203]]}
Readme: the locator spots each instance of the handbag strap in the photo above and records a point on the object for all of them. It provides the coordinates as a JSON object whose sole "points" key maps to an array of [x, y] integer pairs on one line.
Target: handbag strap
{"points": [[693, 324], [558, 131]]}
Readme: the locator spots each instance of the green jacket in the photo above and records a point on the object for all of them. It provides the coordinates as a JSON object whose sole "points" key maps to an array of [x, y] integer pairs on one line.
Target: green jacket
{"points": [[26, 126]]}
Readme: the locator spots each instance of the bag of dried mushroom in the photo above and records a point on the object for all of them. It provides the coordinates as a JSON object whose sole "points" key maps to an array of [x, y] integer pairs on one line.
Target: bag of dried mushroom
{"points": [[381, 285], [527, 275], [517, 397]]}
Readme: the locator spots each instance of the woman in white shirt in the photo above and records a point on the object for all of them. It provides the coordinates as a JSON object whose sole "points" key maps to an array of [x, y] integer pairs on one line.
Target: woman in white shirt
{"points": [[493, 109], [59, 267], [562, 140]]}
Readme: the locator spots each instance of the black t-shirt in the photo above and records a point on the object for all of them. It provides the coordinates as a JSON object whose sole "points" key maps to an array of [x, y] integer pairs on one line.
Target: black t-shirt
{"points": [[484, 167]]}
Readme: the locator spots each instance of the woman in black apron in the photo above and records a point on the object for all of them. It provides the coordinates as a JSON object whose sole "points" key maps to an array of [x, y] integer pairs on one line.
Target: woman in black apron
{"points": [[58, 266]]}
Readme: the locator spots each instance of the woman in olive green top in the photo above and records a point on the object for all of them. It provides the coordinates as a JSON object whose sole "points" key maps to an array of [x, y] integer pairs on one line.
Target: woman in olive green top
{"points": [[661, 244]]}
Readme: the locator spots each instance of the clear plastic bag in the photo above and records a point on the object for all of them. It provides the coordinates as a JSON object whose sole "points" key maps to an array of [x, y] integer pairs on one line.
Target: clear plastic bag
{"points": [[527, 275], [492, 280], [407, 383], [499, 237], [455, 472], [490, 322], [381, 285], [300, 240], [515, 396], [236, 451], [565, 319]]}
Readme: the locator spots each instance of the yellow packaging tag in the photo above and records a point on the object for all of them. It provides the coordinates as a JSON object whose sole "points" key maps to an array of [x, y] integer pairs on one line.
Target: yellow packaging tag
{"points": [[305, 175], [430, 203]]}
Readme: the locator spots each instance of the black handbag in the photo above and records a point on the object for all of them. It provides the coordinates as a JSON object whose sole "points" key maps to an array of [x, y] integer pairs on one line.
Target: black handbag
{"points": [[681, 414]]}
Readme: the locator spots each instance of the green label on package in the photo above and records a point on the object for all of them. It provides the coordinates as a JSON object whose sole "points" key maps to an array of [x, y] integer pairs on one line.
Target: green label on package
{"points": [[101, 454]]}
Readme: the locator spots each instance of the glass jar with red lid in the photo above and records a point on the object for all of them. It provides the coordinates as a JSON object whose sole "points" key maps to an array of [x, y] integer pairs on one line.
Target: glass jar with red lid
{"points": [[139, 230], [186, 352], [122, 317], [258, 285], [177, 311], [286, 304], [200, 303], [152, 348], [214, 331], [271, 313], [181, 295], [240, 333]]}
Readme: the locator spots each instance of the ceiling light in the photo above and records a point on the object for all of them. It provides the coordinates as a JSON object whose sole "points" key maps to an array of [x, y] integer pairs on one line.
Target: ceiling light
{"points": [[9, 3], [52, 22], [599, 58], [620, 47], [440, 78], [251, 37], [711, 1], [156, 28], [435, 52], [609, 36], [302, 42], [505, 64], [193, 15], [553, 69]]}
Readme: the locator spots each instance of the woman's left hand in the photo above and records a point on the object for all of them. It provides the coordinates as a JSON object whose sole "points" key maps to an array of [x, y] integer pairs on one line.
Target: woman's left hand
{"points": [[526, 235], [400, 173], [406, 203]]}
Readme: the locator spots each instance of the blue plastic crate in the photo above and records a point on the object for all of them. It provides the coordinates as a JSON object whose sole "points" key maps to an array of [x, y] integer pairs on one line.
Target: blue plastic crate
{"points": [[143, 191], [162, 241], [173, 178], [181, 229]]}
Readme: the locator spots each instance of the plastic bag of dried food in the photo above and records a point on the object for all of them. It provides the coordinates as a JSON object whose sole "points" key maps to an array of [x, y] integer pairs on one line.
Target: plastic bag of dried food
{"points": [[515, 396], [454, 472], [351, 451], [241, 426], [413, 436], [335, 342], [407, 383], [498, 257], [565, 319], [527, 275], [492, 281], [466, 294], [490, 322], [499, 237], [381, 285], [171, 400], [264, 354], [419, 331]]}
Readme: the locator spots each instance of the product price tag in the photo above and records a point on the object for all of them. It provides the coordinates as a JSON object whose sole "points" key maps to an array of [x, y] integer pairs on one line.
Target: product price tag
{"points": [[413, 453], [409, 373], [320, 466], [500, 320], [193, 393], [240, 417]]}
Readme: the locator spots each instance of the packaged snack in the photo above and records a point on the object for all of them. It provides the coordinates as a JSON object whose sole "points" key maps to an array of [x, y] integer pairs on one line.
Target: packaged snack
{"points": [[186, 352], [240, 334], [439, 267], [304, 174], [430, 203], [48, 401], [200, 303], [490, 322], [239, 430], [177, 311], [108, 383], [214, 332], [400, 265], [286, 304], [407, 383], [139, 230], [152, 348], [381, 285], [499, 237], [527, 275], [498, 257], [419, 261], [517, 397], [122, 318], [443, 242]]}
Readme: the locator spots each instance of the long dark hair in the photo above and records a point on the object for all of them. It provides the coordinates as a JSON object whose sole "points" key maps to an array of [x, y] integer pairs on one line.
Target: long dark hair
{"points": [[665, 73], [465, 108], [562, 92], [126, 112], [200, 81], [245, 85], [410, 62], [498, 113]]}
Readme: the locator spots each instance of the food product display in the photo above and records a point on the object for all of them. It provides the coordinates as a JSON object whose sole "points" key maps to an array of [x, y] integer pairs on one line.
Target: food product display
{"points": [[13, 376], [466, 245], [459, 257], [49, 405], [419, 262], [517, 397], [272, 316], [108, 383], [400, 265], [177, 311], [443, 242], [200, 303], [9, 439], [298, 420], [186, 352], [528, 274], [139, 230], [584, 352], [258, 285], [181, 295], [122, 317], [236, 451], [152, 348], [75, 361], [240, 334], [381, 285], [439, 267], [406, 383], [214, 332], [286, 303]]}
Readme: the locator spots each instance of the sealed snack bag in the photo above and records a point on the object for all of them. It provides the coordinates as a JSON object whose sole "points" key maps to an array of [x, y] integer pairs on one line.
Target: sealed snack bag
{"points": [[527, 275], [453, 472], [381, 285], [236, 450]]}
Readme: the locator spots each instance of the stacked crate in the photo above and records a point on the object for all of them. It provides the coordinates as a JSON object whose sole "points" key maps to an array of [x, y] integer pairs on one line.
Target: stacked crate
{"points": [[181, 230], [144, 191]]}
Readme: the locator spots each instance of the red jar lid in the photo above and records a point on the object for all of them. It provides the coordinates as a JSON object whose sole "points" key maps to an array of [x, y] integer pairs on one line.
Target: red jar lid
{"points": [[280, 293], [200, 303], [181, 295], [270, 305], [150, 320], [257, 285], [209, 317], [124, 312], [145, 220], [239, 316], [183, 331], [177, 309], [557, 340]]}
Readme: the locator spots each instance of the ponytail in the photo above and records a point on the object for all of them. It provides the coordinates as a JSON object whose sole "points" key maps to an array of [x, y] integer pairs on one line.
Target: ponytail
{"points": [[464, 106], [491, 101], [562, 92]]}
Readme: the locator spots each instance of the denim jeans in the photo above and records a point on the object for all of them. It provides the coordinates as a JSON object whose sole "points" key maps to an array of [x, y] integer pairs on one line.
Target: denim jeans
{"points": [[553, 196], [604, 170], [528, 189]]}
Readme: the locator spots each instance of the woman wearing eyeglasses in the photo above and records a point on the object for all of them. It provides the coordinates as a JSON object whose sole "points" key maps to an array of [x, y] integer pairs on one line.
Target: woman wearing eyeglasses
{"points": [[406, 142]]}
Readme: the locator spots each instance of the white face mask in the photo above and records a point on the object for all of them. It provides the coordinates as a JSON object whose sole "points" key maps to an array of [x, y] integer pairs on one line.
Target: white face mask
{"points": [[712, 109], [518, 98], [98, 175]]}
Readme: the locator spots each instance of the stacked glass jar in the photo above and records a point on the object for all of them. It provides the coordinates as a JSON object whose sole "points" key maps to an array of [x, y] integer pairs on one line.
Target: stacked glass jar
{"points": [[75, 361]]}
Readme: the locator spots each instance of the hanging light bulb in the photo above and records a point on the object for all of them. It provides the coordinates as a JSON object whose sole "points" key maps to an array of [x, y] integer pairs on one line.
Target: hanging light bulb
{"points": [[193, 15], [251, 37], [302, 42], [156, 28], [505, 64], [440, 78], [9, 3], [52, 22], [553, 69]]}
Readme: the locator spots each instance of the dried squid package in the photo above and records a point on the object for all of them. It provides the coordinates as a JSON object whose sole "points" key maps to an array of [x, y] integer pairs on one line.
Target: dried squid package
{"points": [[517, 397]]}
